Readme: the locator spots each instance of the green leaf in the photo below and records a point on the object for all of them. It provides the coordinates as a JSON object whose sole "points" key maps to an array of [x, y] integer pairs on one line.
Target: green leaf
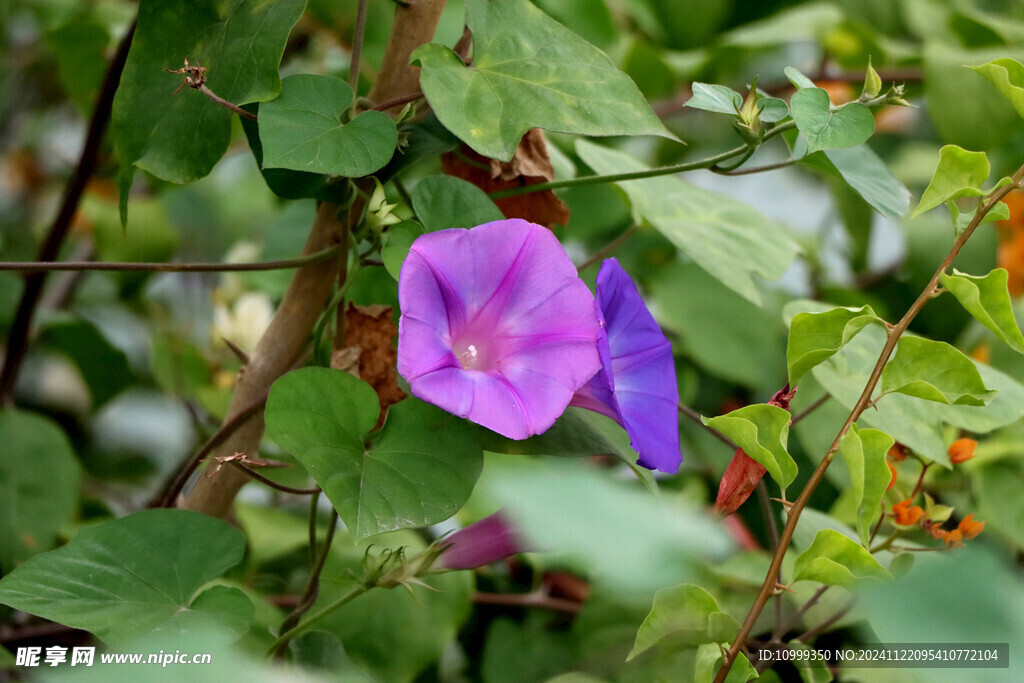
{"points": [[578, 433], [706, 665], [1007, 75], [79, 46], [772, 109], [727, 238], [761, 431], [999, 212], [622, 537], [397, 242], [407, 475], [528, 71], [988, 300], [716, 98], [864, 451], [960, 173], [180, 137], [39, 481], [915, 423], [289, 184], [443, 202], [686, 614], [835, 560], [798, 80], [129, 576], [934, 371], [718, 329], [826, 127], [871, 178], [302, 130], [814, 337], [104, 367]]}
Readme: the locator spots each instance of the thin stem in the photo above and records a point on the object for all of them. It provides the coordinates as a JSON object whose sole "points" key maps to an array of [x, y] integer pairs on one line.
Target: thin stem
{"points": [[920, 479], [810, 409], [271, 483], [301, 628], [17, 339], [404, 99], [312, 590], [811, 602], [357, 51], [813, 633], [639, 175], [224, 103], [174, 487], [764, 500], [538, 599], [283, 264], [756, 169], [768, 587], [608, 248], [694, 416]]}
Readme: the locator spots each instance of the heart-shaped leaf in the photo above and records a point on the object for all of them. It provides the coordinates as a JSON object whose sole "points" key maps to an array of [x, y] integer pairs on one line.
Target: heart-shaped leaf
{"points": [[826, 127], [934, 371], [762, 431], [728, 239], [960, 173], [835, 560], [864, 451], [687, 615], [418, 470], [39, 480], [443, 202], [814, 337], [180, 137], [528, 71], [302, 130], [988, 300], [129, 576]]}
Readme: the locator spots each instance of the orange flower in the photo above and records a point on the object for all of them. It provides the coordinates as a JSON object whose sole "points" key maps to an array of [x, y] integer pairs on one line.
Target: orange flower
{"points": [[892, 479], [969, 528], [1010, 254], [898, 452], [935, 530], [954, 538], [962, 450], [907, 514]]}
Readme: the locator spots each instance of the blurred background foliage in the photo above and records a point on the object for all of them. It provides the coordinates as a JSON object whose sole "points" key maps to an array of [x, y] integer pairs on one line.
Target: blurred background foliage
{"points": [[131, 372]]}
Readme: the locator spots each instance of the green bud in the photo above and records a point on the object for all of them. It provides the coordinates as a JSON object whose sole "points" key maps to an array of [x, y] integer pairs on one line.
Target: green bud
{"points": [[749, 123], [378, 211], [896, 96], [872, 83]]}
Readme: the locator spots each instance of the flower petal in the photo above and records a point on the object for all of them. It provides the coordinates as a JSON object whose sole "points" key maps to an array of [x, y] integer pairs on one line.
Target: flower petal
{"points": [[639, 372], [496, 325]]}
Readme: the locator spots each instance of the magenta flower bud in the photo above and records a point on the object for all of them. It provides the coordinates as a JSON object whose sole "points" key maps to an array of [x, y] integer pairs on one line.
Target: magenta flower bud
{"points": [[636, 386], [481, 543], [496, 325]]}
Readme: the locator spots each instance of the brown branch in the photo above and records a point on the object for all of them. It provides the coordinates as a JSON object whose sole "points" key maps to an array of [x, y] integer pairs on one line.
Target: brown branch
{"points": [[608, 248], [404, 99], [17, 340], [894, 333], [414, 26], [175, 485], [277, 352]]}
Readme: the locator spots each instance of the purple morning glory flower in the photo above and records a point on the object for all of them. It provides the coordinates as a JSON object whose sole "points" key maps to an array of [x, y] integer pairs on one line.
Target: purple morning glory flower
{"points": [[480, 543], [636, 386], [496, 325]]}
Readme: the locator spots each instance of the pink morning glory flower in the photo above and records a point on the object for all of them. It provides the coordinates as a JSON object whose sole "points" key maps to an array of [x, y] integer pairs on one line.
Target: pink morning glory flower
{"points": [[480, 543], [496, 326], [636, 386]]}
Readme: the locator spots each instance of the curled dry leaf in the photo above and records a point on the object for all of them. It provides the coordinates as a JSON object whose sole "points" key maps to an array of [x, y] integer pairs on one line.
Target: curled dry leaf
{"points": [[529, 166], [370, 349]]}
